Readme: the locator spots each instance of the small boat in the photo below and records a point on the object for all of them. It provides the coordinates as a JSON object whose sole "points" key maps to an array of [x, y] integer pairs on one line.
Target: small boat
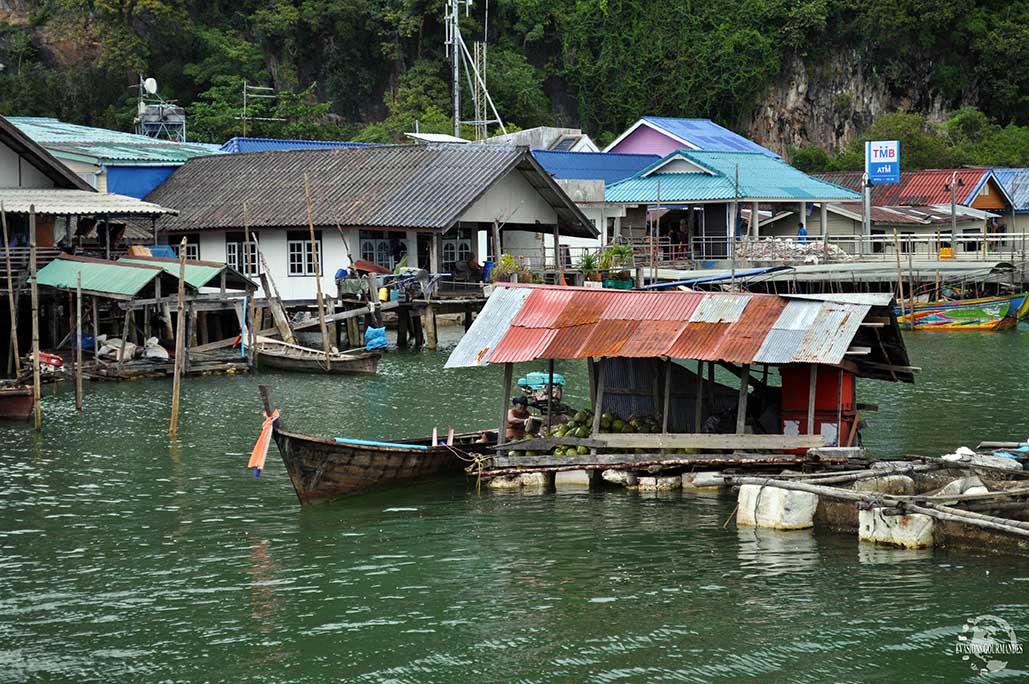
{"points": [[988, 313], [322, 467], [15, 401], [293, 357]]}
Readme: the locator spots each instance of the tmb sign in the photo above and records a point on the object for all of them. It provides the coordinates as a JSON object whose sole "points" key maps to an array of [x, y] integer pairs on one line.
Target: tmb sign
{"points": [[882, 162]]}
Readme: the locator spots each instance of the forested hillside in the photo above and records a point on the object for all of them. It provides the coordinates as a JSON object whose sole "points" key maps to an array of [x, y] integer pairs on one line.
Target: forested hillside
{"points": [[789, 73]]}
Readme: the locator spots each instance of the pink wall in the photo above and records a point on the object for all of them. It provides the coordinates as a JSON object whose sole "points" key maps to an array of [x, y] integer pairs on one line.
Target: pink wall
{"points": [[645, 140]]}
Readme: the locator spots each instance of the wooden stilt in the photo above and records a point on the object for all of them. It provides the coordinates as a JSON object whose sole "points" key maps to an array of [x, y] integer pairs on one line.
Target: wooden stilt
{"points": [[78, 341], [15, 354], [812, 385], [666, 406], [354, 333], [429, 325], [550, 393], [204, 333], [37, 409], [505, 392], [403, 321], [180, 341], [96, 328], [698, 413], [598, 402], [467, 317], [124, 338], [741, 410], [317, 276]]}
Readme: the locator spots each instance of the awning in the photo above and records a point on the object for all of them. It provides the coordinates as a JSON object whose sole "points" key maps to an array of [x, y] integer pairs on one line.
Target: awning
{"points": [[110, 279], [198, 273], [60, 202]]}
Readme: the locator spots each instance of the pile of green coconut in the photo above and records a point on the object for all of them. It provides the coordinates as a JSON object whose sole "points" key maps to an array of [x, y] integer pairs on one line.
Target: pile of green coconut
{"points": [[581, 425]]}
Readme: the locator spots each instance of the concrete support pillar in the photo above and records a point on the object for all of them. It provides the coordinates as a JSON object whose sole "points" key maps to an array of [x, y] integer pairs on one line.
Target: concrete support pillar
{"points": [[755, 221]]}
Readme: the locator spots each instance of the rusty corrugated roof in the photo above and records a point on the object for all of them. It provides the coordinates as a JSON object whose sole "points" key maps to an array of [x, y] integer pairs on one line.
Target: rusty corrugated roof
{"points": [[525, 323]]}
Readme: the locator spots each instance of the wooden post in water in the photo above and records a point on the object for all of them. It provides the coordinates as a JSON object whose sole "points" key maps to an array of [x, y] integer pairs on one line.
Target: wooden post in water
{"points": [[37, 409], [124, 338], [78, 341], [317, 276], [505, 392], [180, 341], [96, 328], [598, 401], [10, 296], [741, 410]]}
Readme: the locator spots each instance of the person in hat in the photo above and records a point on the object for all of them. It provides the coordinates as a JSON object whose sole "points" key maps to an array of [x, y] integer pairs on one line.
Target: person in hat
{"points": [[517, 418]]}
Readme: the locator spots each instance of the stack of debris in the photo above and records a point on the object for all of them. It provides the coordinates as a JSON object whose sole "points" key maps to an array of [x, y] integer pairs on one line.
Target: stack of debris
{"points": [[785, 250]]}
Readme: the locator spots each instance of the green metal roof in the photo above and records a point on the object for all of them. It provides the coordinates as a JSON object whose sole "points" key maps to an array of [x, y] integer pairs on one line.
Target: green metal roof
{"points": [[707, 176], [104, 146], [198, 273], [98, 276]]}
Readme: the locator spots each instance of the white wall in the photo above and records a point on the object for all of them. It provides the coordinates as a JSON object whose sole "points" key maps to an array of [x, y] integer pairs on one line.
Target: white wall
{"points": [[16, 172], [273, 246], [511, 200]]}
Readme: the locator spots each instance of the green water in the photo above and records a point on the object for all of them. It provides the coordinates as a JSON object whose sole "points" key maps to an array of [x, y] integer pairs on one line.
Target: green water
{"points": [[124, 558]]}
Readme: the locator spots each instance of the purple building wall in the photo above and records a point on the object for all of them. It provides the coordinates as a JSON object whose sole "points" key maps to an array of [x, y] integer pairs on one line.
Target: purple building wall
{"points": [[645, 140]]}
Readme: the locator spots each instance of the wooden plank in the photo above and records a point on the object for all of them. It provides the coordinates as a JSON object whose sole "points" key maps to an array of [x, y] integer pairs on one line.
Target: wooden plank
{"points": [[344, 315], [548, 443], [688, 440], [644, 460]]}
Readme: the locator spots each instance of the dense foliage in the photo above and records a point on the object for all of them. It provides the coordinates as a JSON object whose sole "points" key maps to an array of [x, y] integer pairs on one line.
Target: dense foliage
{"points": [[371, 68]]}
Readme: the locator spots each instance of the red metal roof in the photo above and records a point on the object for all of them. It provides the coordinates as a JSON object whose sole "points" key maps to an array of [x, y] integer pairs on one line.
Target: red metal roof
{"points": [[916, 188]]}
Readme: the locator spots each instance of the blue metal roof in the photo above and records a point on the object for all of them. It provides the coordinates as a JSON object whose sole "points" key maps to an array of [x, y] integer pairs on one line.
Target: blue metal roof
{"points": [[1016, 183], [239, 144], [608, 167], [705, 134], [741, 274], [703, 176]]}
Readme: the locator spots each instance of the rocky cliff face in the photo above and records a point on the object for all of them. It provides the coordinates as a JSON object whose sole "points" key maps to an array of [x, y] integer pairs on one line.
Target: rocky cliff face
{"points": [[829, 103]]}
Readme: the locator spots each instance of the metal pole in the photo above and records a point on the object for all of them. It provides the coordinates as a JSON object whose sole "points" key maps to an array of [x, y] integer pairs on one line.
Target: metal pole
{"points": [[455, 28], [866, 223]]}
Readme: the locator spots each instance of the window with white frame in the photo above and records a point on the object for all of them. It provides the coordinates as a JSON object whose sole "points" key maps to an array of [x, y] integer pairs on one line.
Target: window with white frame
{"points": [[240, 255], [192, 246], [382, 248], [300, 253]]}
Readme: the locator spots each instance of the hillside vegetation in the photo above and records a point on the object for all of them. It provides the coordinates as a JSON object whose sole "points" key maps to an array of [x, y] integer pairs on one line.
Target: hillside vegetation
{"points": [[368, 69]]}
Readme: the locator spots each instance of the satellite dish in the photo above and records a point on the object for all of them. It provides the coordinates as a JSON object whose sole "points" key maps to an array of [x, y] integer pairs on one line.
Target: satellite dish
{"points": [[150, 86]]}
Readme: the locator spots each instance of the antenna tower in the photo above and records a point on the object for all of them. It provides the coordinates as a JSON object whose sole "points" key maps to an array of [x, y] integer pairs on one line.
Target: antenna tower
{"points": [[475, 73], [156, 117]]}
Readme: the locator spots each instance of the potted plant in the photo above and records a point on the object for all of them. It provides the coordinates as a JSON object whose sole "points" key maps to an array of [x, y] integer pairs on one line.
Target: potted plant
{"points": [[589, 267], [616, 261], [508, 266]]}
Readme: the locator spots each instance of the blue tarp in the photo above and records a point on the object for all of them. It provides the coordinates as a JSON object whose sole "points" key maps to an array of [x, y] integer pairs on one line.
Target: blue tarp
{"points": [[136, 181], [715, 278]]}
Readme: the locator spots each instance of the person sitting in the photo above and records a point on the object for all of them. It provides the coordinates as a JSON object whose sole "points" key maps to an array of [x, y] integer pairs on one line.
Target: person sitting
{"points": [[517, 418], [468, 270]]}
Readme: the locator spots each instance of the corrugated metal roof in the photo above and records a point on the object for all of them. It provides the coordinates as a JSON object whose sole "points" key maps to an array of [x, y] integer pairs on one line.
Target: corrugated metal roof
{"points": [[105, 145], [760, 177], [417, 187], [241, 145], [198, 273], [609, 167], [492, 322], [570, 323], [720, 307], [1016, 182], [918, 188], [63, 202], [105, 277]]}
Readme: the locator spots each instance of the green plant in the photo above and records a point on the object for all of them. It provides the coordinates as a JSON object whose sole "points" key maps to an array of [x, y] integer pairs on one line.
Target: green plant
{"points": [[507, 266], [588, 265], [616, 257]]}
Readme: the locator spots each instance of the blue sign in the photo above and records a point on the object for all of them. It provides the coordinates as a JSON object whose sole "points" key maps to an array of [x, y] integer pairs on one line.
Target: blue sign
{"points": [[882, 162]]}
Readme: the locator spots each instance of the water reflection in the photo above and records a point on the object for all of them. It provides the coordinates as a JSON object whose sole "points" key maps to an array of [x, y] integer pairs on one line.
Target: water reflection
{"points": [[777, 552]]}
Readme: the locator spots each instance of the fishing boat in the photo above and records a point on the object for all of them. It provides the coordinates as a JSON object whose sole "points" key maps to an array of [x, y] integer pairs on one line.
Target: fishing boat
{"points": [[322, 467], [988, 313], [281, 355], [15, 401]]}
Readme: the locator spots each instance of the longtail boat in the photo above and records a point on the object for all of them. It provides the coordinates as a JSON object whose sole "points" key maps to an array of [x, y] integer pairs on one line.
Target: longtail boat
{"points": [[15, 402], [321, 467], [293, 357], [988, 313]]}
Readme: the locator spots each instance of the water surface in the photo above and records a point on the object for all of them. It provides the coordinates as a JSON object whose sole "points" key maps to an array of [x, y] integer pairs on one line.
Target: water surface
{"points": [[124, 557]]}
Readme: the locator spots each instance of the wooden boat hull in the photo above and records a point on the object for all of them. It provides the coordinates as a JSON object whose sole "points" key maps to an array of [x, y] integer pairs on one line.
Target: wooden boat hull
{"points": [[990, 313], [365, 363], [15, 403], [320, 467]]}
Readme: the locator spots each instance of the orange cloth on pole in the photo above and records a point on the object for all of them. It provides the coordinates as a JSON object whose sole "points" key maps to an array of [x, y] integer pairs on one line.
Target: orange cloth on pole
{"points": [[260, 452]]}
